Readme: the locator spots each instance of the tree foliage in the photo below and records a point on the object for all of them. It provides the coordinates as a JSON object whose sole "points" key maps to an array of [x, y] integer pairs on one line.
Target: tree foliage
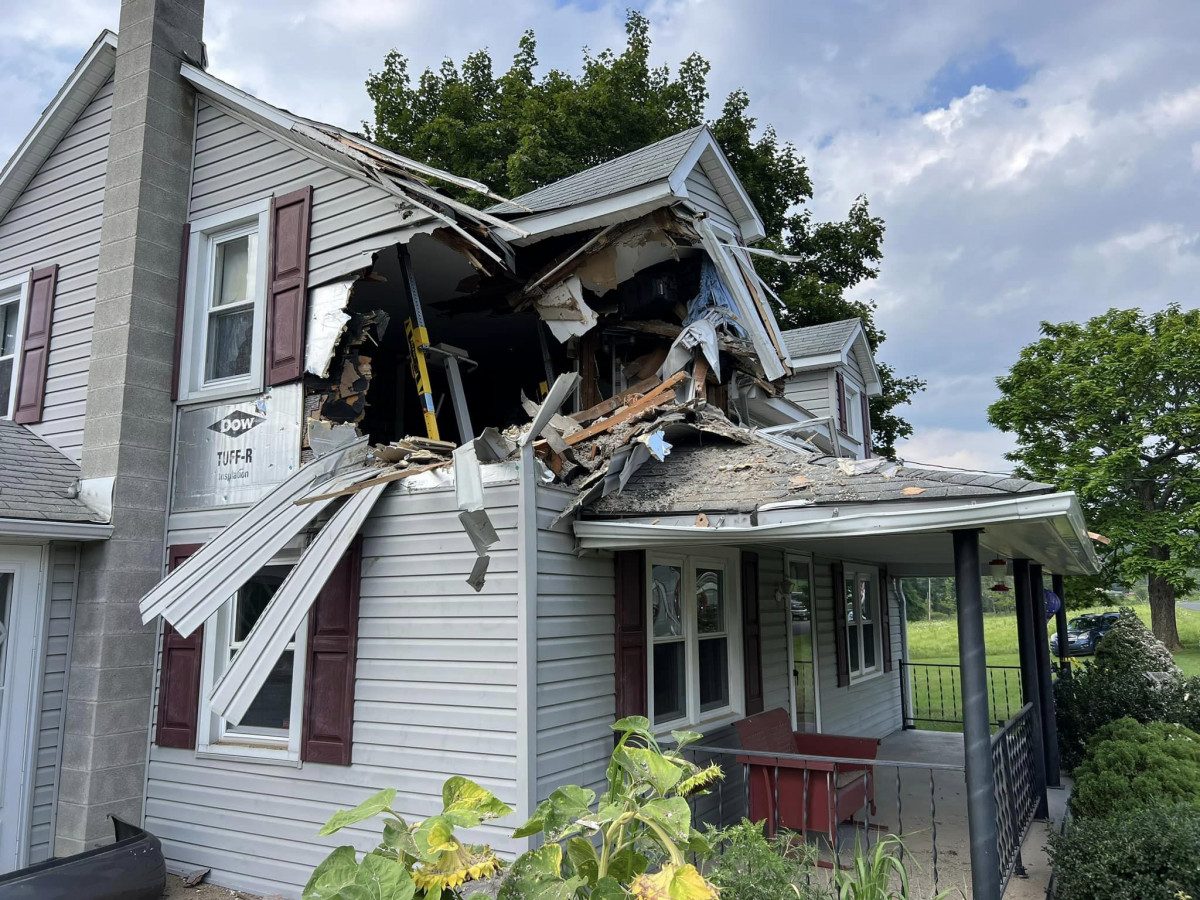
{"points": [[1109, 409], [517, 131]]}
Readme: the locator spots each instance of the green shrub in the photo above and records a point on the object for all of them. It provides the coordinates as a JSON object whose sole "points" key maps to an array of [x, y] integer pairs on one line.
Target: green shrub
{"points": [[1149, 854], [1130, 765], [1117, 685], [751, 867]]}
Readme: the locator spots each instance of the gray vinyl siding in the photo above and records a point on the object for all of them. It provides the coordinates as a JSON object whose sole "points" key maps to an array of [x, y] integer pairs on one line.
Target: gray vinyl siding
{"points": [[704, 195], [64, 566], [867, 708], [576, 689], [435, 696], [773, 620], [57, 220], [236, 163], [812, 390]]}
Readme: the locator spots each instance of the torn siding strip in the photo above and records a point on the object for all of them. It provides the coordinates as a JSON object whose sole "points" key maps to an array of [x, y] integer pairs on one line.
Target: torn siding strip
{"points": [[327, 320], [249, 670]]}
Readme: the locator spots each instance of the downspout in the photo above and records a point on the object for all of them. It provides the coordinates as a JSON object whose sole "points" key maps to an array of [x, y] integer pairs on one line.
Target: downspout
{"points": [[527, 597]]}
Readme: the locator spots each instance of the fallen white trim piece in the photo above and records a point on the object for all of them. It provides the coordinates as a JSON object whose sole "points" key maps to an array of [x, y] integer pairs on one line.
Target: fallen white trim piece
{"points": [[248, 672], [563, 386], [266, 523]]}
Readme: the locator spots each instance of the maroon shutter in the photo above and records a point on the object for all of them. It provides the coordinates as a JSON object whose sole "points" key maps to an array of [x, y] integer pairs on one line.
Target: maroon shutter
{"points": [[630, 569], [885, 619], [843, 419], [179, 675], [286, 306], [329, 675], [180, 299], [839, 625], [751, 634], [866, 420], [35, 347]]}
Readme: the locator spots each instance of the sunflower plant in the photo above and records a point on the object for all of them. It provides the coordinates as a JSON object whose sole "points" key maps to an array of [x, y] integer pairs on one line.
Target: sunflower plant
{"points": [[604, 848], [413, 859]]}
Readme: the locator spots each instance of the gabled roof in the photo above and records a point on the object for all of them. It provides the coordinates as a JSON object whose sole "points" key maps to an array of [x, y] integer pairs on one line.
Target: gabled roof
{"points": [[830, 344], [643, 179], [89, 76], [36, 481]]}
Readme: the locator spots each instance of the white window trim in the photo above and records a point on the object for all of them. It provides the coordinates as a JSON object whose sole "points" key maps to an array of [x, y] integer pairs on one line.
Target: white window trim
{"points": [[853, 400], [729, 563], [805, 560], [201, 260], [858, 573], [18, 285], [210, 728]]}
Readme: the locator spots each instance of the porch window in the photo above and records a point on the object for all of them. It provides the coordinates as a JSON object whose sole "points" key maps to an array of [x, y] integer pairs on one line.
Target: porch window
{"points": [[270, 725], [694, 640], [861, 611]]}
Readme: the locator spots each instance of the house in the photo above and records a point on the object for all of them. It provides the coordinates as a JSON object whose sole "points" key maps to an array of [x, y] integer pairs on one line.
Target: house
{"points": [[351, 484]]}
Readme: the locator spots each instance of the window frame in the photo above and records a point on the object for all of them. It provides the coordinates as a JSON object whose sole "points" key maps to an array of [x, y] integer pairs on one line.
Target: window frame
{"points": [[213, 737], [791, 558], [206, 234], [854, 630], [729, 563], [851, 396], [18, 288]]}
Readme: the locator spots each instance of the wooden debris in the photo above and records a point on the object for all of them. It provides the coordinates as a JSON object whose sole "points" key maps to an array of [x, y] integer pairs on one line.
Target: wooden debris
{"points": [[191, 879], [398, 475], [700, 377], [660, 395], [912, 491], [800, 481], [1099, 538], [701, 520], [612, 404]]}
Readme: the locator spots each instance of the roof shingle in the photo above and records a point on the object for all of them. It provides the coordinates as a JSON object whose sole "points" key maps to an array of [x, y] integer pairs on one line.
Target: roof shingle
{"points": [[819, 340], [36, 480]]}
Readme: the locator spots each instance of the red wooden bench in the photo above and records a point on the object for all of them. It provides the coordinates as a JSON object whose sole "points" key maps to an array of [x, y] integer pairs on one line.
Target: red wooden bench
{"points": [[801, 794]]}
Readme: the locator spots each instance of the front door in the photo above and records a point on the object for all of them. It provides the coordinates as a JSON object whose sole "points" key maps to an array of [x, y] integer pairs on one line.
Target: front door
{"points": [[20, 641], [802, 646]]}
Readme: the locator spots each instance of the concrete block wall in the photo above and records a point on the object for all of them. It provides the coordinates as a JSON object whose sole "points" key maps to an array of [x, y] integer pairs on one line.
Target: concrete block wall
{"points": [[127, 431]]}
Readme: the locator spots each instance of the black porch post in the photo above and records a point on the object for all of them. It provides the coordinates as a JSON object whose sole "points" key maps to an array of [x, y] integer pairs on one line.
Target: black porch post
{"points": [[977, 733], [1060, 622], [1045, 677], [1027, 645]]}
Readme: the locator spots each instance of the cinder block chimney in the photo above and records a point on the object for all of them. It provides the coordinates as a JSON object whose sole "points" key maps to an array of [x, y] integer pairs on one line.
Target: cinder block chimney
{"points": [[127, 434]]}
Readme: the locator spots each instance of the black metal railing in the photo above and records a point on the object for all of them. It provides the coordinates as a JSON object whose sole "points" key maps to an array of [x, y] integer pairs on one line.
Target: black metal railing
{"points": [[1012, 762], [840, 803], [931, 694]]}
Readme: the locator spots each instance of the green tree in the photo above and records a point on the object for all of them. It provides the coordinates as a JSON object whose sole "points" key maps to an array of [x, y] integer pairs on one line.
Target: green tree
{"points": [[517, 131], [1109, 409]]}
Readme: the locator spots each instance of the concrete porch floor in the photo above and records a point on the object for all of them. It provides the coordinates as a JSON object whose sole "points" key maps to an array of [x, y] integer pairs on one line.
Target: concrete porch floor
{"points": [[914, 801]]}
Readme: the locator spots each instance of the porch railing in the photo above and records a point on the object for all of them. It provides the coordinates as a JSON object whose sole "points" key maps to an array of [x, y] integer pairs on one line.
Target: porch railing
{"points": [[914, 800], [1012, 760], [931, 694]]}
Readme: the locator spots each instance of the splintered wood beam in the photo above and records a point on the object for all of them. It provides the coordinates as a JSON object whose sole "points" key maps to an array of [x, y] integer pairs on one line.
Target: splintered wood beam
{"points": [[661, 394], [700, 377], [399, 475], [612, 404]]}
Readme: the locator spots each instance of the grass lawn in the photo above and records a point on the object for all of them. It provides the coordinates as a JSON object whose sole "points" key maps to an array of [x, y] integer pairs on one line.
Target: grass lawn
{"points": [[935, 692]]}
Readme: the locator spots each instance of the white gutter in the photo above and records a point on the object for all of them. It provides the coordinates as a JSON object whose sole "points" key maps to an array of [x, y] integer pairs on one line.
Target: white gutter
{"points": [[55, 531], [1061, 511]]}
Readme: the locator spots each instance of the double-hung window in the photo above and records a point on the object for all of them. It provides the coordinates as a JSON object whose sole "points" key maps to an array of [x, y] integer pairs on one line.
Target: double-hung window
{"points": [[860, 609], [270, 727], [12, 296], [853, 412], [694, 641], [226, 304]]}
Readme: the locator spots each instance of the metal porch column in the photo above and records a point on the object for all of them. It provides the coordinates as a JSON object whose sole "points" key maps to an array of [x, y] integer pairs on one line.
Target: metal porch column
{"points": [[977, 732], [1060, 623], [1045, 677], [1027, 645]]}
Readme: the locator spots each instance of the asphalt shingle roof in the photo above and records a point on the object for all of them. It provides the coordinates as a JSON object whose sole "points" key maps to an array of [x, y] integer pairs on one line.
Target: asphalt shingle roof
{"points": [[818, 340], [35, 479], [653, 162], [742, 478]]}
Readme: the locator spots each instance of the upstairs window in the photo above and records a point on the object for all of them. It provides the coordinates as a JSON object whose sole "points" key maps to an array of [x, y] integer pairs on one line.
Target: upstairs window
{"points": [[225, 318], [10, 345], [853, 405]]}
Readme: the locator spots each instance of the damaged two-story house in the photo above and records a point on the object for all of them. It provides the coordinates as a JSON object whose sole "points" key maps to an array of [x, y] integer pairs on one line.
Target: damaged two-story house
{"points": [[318, 480]]}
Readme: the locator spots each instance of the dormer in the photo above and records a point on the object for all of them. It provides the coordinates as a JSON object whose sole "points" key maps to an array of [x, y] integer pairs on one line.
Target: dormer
{"points": [[833, 377]]}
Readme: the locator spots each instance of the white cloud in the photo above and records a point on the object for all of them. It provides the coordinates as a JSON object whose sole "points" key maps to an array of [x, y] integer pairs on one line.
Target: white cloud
{"points": [[950, 448]]}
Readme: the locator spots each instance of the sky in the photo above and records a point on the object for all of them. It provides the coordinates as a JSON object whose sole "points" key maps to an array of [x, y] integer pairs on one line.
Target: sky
{"points": [[1033, 161]]}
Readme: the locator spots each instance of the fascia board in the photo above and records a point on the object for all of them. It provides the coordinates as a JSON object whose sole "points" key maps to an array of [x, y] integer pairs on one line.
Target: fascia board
{"points": [[617, 208], [217, 89], [812, 363], [705, 145]]}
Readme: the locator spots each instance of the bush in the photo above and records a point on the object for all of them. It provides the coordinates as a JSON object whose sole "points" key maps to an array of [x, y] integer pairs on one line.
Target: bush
{"points": [[1117, 685], [1149, 854], [1129, 766], [751, 867]]}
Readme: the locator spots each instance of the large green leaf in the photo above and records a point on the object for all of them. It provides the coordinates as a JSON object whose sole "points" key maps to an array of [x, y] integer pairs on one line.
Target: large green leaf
{"points": [[385, 879], [372, 806], [672, 814], [398, 838], [639, 725], [650, 766], [584, 858], [608, 888], [338, 871], [684, 738], [460, 793], [627, 864], [557, 815], [435, 835]]}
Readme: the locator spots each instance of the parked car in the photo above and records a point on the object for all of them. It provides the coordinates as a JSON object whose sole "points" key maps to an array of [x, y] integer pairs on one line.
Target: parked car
{"points": [[1085, 632]]}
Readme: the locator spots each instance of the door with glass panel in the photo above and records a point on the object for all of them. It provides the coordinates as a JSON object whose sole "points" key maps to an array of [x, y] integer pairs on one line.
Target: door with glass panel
{"points": [[802, 646], [20, 638]]}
